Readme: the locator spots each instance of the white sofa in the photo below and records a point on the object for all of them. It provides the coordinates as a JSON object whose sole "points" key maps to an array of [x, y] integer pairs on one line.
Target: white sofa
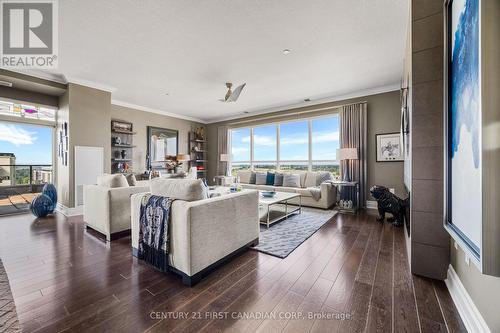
{"points": [[308, 181], [204, 233], [106, 206]]}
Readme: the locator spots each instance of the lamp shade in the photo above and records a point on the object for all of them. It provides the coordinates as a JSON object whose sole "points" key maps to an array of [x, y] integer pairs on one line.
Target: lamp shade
{"points": [[347, 154], [183, 157], [224, 157]]}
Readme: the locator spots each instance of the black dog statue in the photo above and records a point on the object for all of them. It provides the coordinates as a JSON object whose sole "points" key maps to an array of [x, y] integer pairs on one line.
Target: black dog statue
{"points": [[389, 203]]}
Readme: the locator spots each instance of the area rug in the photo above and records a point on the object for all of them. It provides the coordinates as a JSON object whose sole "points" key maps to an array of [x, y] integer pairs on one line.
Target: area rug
{"points": [[8, 315], [285, 236]]}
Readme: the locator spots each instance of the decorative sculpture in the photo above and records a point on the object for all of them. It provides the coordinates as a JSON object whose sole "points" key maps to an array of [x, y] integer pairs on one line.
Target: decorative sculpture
{"points": [[45, 203], [389, 203]]}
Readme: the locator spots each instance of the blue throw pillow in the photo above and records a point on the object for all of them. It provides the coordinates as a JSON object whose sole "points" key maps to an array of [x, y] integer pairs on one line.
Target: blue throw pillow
{"points": [[270, 178]]}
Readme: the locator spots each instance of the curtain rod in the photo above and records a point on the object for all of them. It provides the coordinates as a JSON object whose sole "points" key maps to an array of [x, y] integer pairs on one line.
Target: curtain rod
{"points": [[294, 113]]}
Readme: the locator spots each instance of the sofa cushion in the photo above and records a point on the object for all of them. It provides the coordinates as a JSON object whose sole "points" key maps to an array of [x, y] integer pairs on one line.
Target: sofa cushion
{"points": [[302, 178], [322, 176], [310, 179], [260, 178], [182, 189], [291, 180], [270, 178], [244, 176], [304, 192], [112, 181], [131, 180], [287, 189], [278, 179], [253, 176]]}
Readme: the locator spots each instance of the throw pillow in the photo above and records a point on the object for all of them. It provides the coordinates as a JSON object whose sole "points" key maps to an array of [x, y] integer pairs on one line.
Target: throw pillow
{"points": [[112, 181], [270, 178], [252, 178], [245, 176], [291, 180], [131, 180], [323, 176], [260, 178], [278, 179], [311, 179]]}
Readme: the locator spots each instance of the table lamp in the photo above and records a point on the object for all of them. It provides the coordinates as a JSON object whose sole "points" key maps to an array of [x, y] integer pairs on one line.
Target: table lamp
{"points": [[346, 154]]}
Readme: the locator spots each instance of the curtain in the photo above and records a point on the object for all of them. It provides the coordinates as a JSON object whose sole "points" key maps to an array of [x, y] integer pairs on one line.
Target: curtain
{"points": [[353, 134], [222, 148]]}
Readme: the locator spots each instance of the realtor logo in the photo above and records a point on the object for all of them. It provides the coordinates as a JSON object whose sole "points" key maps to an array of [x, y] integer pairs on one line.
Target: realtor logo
{"points": [[29, 33]]}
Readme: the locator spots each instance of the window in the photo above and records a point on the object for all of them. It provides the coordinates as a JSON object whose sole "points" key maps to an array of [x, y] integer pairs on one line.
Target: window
{"points": [[27, 111], [240, 150], [264, 143], [308, 144], [325, 139], [294, 141]]}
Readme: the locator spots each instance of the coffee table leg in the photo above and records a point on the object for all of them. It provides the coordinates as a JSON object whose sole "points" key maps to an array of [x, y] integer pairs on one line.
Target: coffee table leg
{"points": [[267, 217]]}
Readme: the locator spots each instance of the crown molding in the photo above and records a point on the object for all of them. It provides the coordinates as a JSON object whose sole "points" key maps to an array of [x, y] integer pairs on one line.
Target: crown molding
{"points": [[331, 99], [157, 111], [91, 84]]}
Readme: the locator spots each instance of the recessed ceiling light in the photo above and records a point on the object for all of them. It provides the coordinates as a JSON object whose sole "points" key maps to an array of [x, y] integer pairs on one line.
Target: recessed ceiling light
{"points": [[286, 51]]}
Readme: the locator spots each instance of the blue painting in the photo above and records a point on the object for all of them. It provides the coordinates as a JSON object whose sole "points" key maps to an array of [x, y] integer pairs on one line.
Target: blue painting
{"points": [[465, 117]]}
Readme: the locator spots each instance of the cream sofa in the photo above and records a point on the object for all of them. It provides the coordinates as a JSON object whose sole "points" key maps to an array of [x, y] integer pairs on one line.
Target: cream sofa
{"points": [[106, 206], [204, 233], [308, 181]]}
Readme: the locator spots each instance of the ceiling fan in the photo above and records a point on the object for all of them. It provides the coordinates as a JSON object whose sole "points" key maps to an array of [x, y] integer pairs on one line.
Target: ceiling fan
{"points": [[232, 96]]}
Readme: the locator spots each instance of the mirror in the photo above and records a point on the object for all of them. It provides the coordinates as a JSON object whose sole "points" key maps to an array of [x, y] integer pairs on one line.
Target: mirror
{"points": [[162, 146]]}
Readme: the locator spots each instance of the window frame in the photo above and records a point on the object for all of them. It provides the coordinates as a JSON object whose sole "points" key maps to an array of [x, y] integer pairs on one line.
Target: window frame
{"points": [[278, 162]]}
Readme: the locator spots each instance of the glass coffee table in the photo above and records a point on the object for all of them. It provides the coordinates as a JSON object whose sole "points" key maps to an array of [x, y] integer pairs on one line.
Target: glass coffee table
{"points": [[271, 209]]}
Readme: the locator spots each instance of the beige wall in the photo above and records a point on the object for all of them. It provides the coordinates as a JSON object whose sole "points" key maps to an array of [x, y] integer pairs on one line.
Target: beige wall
{"points": [[62, 171], [88, 114], [483, 289], [141, 120], [383, 117]]}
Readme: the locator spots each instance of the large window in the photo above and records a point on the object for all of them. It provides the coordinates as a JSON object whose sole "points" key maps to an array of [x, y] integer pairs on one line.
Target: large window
{"points": [[308, 144]]}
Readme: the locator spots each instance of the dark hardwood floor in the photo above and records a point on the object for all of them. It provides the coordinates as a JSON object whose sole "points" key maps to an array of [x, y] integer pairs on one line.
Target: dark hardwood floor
{"points": [[350, 276]]}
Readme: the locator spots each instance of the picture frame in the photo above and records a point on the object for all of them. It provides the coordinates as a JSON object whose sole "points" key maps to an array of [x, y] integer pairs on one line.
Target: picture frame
{"points": [[121, 126], [389, 147]]}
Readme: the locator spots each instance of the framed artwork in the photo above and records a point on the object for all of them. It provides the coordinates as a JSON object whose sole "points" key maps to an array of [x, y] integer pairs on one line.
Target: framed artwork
{"points": [[463, 127], [162, 146], [389, 147]]}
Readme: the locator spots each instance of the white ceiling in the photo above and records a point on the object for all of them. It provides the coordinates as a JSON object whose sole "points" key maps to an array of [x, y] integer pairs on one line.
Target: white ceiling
{"points": [[189, 49]]}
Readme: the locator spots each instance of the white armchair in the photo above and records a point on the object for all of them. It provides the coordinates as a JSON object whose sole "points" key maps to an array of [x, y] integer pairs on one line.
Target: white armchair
{"points": [[107, 209]]}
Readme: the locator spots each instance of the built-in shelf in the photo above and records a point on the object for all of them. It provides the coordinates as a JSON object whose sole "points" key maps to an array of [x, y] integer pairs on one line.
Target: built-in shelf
{"points": [[121, 160], [121, 146], [198, 148], [123, 132], [126, 139]]}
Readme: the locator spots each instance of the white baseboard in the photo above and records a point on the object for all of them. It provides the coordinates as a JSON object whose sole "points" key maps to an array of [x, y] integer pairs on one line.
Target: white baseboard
{"points": [[371, 204], [69, 211], [468, 311]]}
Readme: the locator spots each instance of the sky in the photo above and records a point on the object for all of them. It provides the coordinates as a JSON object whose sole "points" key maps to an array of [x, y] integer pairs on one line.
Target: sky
{"points": [[31, 144], [293, 141]]}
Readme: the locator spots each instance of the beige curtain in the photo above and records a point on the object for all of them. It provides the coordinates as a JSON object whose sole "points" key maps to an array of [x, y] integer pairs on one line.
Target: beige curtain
{"points": [[222, 148], [353, 134]]}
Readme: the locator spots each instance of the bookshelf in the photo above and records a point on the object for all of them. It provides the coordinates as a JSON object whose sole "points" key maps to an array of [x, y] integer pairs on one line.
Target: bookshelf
{"points": [[122, 146]]}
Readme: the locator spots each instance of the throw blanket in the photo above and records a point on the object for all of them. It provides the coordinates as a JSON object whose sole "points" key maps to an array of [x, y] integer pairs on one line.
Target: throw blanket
{"points": [[153, 231], [315, 192]]}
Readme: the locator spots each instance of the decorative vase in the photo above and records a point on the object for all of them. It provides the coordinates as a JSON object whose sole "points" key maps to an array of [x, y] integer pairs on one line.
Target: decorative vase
{"points": [[123, 153], [51, 191], [41, 205]]}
